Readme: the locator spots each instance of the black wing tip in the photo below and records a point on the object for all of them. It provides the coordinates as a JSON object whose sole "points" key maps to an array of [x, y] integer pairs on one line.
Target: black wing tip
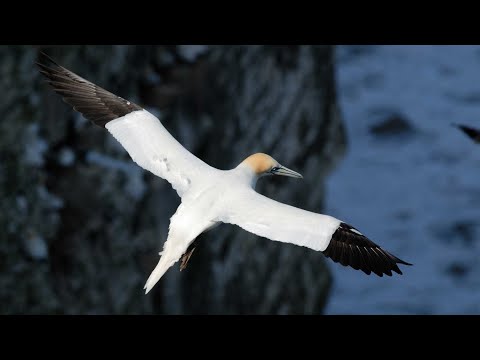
{"points": [[472, 133], [44, 59], [464, 128], [350, 247], [95, 103], [399, 261]]}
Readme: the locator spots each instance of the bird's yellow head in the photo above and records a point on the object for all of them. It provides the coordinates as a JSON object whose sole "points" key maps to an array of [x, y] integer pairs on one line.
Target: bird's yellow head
{"points": [[263, 164]]}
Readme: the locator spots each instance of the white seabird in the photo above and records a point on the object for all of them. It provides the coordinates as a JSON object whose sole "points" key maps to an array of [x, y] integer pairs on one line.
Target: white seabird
{"points": [[211, 196]]}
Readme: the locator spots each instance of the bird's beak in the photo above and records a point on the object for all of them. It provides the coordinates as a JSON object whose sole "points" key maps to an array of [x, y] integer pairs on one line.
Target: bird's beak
{"points": [[282, 170]]}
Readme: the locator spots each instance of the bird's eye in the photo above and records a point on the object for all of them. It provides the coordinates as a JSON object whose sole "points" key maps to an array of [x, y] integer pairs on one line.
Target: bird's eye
{"points": [[275, 168]]}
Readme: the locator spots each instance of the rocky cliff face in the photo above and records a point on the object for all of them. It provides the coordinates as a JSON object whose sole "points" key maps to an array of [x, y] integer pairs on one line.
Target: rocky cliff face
{"points": [[82, 224]]}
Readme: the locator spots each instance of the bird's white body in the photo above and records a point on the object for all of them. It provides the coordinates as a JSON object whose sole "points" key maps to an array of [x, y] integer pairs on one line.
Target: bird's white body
{"points": [[211, 196]]}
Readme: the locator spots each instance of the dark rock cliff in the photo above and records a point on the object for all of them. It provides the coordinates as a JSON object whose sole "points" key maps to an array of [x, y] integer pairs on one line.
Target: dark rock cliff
{"points": [[82, 224]]}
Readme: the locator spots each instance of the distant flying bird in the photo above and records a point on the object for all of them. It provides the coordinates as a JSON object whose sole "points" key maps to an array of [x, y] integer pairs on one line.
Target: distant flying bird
{"points": [[472, 133], [211, 196]]}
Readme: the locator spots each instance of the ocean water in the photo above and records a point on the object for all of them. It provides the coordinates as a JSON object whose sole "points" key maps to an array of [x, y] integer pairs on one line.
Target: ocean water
{"points": [[414, 191]]}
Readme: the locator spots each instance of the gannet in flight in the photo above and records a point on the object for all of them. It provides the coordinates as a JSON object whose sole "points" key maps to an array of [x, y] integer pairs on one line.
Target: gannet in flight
{"points": [[472, 133], [211, 196]]}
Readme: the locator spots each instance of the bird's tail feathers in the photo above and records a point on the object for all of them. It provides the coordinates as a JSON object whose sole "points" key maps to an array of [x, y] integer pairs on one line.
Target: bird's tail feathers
{"points": [[173, 249], [163, 265]]}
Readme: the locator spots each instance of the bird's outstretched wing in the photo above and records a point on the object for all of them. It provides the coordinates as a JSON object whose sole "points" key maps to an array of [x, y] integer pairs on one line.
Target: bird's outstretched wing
{"points": [[472, 133], [142, 134], [281, 222]]}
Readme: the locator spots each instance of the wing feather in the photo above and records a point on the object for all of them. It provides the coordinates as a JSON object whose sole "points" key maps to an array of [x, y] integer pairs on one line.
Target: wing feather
{"points": [[472, 133], [337, 240], [142, 134]]}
